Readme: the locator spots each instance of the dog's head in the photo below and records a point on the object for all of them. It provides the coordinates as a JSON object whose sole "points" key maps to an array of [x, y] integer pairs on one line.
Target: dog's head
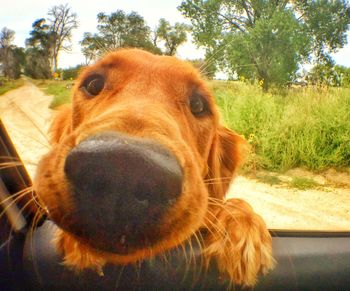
{"points": [[135, 157]]}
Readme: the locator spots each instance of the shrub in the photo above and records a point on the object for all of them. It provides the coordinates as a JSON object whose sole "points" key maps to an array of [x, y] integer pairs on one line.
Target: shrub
{"points": [[71, 73], [305, 127]]}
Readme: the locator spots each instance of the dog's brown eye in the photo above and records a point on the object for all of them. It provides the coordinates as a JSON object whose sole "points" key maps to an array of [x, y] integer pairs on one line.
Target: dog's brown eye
{"points": [[198, 105], [93, 84]]}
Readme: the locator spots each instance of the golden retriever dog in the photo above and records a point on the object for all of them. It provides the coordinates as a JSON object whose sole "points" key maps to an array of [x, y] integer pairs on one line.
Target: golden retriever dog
{"points": [[140, 163]]}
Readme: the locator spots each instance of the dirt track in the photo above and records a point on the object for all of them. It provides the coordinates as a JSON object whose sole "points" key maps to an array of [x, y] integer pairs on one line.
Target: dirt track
{"points": [[25, 113]]}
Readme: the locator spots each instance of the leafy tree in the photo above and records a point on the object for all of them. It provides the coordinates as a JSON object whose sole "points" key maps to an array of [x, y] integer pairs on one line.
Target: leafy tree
{"points": [[40, 36], [265, 39], [117, 30], [37, 64], [11, 57], [330, 75], [326, 23], [7, 36], [54, 34], [173, 36], [39, 51], [91, 46]]}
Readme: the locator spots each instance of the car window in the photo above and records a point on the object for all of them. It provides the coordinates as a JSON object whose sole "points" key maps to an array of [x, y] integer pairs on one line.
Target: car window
{"points": [[290, 102]]}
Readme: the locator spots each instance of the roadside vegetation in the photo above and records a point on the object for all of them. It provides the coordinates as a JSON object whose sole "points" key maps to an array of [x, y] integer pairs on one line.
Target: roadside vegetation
{"points": [[298, 127], [61, 90], [290, 181], [7, 84]]}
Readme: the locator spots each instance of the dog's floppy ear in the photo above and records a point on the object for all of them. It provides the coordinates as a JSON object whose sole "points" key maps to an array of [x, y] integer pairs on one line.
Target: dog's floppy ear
{"points": [[226, 155], [61, 124]]}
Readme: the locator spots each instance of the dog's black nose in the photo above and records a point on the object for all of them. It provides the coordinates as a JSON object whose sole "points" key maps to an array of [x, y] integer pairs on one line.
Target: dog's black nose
{"points": [[118, 180]]}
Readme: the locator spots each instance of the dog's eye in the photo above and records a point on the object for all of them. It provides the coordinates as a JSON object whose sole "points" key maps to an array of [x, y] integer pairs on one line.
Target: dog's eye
{"points": [[93, 84], [198, 105]]}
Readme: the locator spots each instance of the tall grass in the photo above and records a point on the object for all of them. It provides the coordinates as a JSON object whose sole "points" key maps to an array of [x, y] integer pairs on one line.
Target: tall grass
{"points": [[307, 127]]}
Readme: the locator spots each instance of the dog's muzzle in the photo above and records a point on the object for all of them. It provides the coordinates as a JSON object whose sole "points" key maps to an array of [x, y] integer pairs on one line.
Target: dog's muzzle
{"points": [[121, 187]]}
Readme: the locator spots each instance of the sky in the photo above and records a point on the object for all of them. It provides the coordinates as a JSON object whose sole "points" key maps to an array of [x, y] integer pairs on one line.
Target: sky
{"points": [[18, 15]]}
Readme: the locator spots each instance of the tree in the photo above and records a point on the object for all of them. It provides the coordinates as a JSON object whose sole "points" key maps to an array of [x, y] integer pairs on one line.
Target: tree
{"points": [[39, 51], [40, 36], [61, 24], [326, 23], [330, 75], [54, 34], [90, 46], [265, 39], [117, 30], [173, 36], [37, 64], [10, 55]]}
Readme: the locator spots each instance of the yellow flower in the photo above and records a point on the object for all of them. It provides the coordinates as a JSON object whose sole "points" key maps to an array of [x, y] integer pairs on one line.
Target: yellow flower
{"points": [[261, 83], [251, 138]]}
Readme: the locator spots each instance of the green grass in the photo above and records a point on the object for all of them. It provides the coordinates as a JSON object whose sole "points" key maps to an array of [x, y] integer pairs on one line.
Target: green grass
{"points": [[7, 85], [61, 90], [300, 127], [269, 179], [302, 183], [303, 127]]}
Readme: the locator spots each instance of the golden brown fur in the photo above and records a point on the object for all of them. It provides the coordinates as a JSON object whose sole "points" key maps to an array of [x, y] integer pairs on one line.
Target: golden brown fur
{"points": [[147, 96]]}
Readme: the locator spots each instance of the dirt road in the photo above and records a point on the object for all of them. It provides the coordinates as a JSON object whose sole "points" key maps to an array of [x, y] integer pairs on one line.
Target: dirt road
{"points": [[25, 113]]}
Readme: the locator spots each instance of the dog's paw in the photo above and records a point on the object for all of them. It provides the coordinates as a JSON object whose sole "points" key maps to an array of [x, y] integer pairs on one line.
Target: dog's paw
{"points": [[239, 242], [77, 256]]}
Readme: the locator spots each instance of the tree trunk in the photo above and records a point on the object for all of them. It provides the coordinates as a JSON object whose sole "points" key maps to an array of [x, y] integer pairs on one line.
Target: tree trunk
{"points": [[264, 80], [55, 57], [266, 85]]}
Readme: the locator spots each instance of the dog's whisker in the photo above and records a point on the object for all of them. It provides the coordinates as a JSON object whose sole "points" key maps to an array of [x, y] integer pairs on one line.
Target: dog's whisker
{"points": [[116, 285], [37, 217], [192, 254], [217, 179], [23, 208], [197, 272], [9, 158], [9, 202], [25, 191], [220, 228], [7, 165], [40, 205], [217, 183], [187, 256]]}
